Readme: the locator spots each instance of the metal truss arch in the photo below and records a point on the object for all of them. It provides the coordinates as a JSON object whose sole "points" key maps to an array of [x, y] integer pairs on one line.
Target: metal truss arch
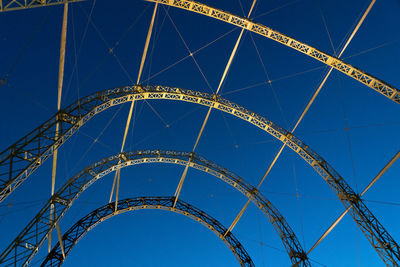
{"points": [[378, 85], [94, 218], [37, 230], [24, 157], [11, 5]]}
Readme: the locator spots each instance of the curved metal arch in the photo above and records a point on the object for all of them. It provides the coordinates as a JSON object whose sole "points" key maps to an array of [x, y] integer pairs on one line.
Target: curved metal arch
{"points": [[94, 218], [37, 146], [378, 85], [10, 5], [35, 233]]}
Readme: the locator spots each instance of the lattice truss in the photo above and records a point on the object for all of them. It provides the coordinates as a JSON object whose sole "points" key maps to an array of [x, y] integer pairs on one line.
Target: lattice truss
{"points": [[25, 246], [84, 225], [357, 74], [10, 5], [21, 159]]}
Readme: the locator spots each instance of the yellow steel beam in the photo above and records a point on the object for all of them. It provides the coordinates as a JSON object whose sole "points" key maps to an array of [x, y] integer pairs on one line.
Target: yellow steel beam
{"points": [[11, 5], [240, 214], [60, 85], [228, 65], [377, 177], [128, 121], [378, 85]]}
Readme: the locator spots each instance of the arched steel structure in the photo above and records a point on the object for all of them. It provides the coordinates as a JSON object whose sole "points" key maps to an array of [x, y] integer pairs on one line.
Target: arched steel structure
{"points": [[37, 230], [10, 5], [378, 85], [87, 223], [21, 159]]}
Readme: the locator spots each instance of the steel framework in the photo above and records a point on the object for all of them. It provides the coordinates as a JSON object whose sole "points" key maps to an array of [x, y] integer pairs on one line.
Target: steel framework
{"points": [[378, 85], [37, 230], [87, 223], [21, 159], [10, 5]]}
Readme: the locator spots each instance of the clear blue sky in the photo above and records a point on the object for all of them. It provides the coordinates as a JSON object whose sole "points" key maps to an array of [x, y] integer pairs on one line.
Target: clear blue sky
{"points": [[29, 42]]}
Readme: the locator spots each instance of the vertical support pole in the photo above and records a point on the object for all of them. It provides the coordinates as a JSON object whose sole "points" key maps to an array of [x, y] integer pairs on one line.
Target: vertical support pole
{"points": [[60, 84]]}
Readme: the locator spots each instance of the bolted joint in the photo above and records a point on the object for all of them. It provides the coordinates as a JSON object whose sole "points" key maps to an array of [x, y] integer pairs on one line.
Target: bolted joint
{"points": [[289, 135], [62, 116], [299, 256], [139, 88], [123, 156], [351, 197], [254, 191]]}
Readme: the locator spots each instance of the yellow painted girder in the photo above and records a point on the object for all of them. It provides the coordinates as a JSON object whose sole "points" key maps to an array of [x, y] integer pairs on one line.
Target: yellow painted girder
{"points": [[10, 5], [357, 74]]}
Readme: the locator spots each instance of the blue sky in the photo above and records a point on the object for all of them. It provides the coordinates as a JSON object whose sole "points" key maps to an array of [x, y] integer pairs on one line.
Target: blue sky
{"points": [[30, 49]]}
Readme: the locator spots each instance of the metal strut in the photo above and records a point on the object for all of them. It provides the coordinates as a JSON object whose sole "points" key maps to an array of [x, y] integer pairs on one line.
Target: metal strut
{"points": [[227, 67], [128, 121], [372, 82], [35, 232], [377, 177], [37, 146], [316, 93], [59, 93]]}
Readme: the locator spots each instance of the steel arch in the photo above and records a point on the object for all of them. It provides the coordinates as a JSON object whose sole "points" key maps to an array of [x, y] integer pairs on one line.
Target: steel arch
{"points": [[87, 223], [37, 230], [10, 5], [378, 85], [30, 151]]}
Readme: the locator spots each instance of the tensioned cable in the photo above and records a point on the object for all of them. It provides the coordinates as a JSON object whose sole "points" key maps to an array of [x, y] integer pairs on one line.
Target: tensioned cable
{"points": [[346, 124], [303, 114], [95, 140], [276, 9], [128, 122], [170, 124], [343, 107], [286, 122], [377, 177], [187, 56], [327, 30], [190, 52], [383, 202], [118, 60], [77, 53], [180, 184], [21, 53], [100, 62], [269, 82]]}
